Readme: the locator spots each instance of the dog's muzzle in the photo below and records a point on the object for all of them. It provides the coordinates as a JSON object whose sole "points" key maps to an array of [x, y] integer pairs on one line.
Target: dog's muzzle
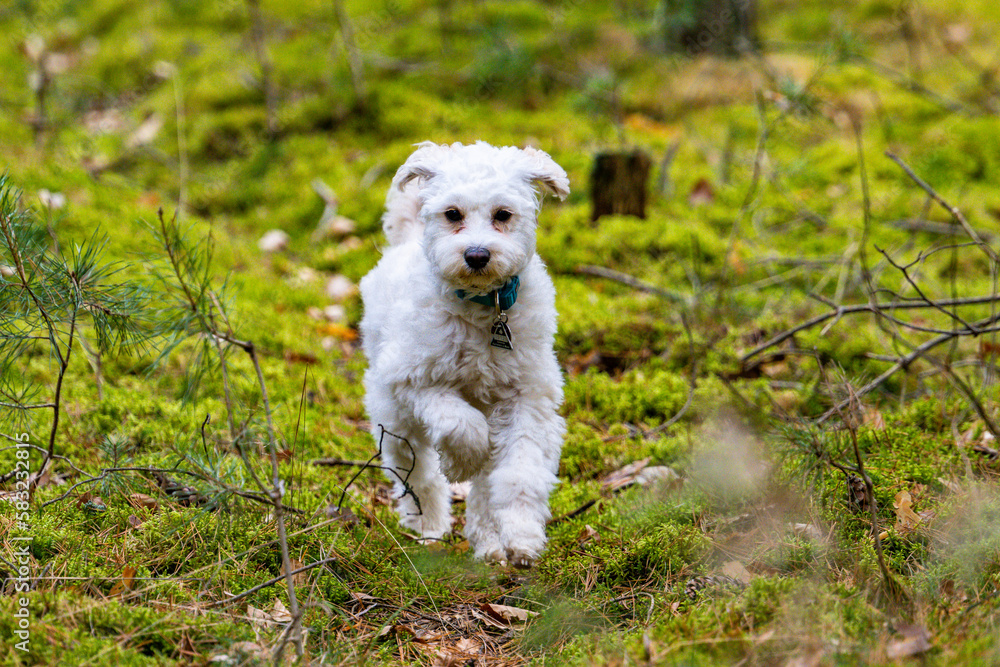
{"points": [[477, 258]]}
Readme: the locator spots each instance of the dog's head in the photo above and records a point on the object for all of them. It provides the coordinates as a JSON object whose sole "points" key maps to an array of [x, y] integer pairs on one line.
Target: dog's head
{"points": [[479, 205]]}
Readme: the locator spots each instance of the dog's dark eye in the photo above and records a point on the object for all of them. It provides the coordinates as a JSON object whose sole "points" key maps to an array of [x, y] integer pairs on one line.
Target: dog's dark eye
{"points": [[502, 215], [453, 214]]}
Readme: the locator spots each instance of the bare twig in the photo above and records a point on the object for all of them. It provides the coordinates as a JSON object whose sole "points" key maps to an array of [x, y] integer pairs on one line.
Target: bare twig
{"points": [[954, 211], [334, 462], [929, 227], [625, 279], [920, 293], [270, 582], [863, 308], [404, 479], [257, 36], [177, 471], [905, 361]]}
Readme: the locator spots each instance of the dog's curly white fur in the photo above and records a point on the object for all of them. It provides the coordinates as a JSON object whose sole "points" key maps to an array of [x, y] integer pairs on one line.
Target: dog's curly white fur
{"points": [[463, 217]]}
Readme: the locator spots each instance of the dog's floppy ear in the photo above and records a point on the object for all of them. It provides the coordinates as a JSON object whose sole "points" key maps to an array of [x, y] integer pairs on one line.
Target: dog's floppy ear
{"points": [[543, 170], [420, 164]]}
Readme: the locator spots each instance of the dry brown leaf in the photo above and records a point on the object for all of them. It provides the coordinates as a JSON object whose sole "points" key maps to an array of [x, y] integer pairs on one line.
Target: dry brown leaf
{"points": [[134, 521], [623, 476], [588, 534], [299, 579], [950, 484], [140, 500], [506, 614], [467, 645], [737, 571], [445, 658], [338, 331], [701, 193], [906, 519], [125, 583], [913, 642], [430, 637], [280, 613], [259, 619]]}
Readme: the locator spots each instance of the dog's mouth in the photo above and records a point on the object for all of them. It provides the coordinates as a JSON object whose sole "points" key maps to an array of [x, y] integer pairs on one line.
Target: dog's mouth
{"points": [[483, 280]]}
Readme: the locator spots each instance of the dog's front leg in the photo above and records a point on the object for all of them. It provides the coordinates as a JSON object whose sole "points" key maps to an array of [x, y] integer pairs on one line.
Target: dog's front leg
{"points": [[512, 498], [456, 429]]}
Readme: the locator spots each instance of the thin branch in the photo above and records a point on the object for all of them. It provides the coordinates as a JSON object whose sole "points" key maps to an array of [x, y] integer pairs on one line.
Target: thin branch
{"points": [[954, 211], [905, 361], [929, 227], [257, 36], [906, 274], [334, 462], [197, 475], [625, 279], [403, 479], [864, 308], [270, 582]]}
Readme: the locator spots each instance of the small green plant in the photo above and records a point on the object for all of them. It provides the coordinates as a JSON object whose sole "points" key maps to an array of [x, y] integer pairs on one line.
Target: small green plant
{"points": [[50, 303]]}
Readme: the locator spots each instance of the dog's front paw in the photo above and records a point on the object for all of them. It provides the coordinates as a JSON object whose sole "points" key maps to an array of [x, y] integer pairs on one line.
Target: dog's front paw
{"points": [[522, 537], [522, 560], [463, 443]]}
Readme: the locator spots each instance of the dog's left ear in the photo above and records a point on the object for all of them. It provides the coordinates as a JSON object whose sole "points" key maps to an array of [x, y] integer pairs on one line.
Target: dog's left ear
{"points": [[543, 170]]}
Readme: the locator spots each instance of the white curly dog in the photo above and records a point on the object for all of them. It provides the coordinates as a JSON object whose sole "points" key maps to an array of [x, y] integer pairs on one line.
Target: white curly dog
{"points": [[459, 319]]}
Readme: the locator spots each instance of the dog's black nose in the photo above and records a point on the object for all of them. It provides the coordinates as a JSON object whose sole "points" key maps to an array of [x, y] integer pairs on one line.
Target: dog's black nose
{"points": [[477, 258]]}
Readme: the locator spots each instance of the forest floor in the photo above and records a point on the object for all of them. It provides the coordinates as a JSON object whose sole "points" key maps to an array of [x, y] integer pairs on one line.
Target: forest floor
{"points": [[781, 387]]}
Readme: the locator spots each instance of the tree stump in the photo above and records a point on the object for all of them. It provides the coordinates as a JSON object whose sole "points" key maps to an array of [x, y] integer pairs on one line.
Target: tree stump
{"points": [[718, 27], [618, 184]]}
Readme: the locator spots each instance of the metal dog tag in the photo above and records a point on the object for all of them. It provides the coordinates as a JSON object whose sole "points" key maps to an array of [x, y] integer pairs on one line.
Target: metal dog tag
{"points": [[501, 334]]}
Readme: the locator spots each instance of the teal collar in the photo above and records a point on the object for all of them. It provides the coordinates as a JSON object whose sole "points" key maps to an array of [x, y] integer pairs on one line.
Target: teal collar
{"points": [[507, 294]]}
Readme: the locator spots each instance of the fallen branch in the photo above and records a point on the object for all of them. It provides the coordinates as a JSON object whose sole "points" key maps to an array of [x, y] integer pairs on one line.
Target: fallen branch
{"points": [[625, 279], [334, 463], [270, 582], [940, 228], [873, 308], [249, 495]]}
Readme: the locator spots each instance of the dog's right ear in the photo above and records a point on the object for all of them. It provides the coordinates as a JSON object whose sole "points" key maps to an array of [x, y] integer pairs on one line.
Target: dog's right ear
{"points": [[420, 164]]}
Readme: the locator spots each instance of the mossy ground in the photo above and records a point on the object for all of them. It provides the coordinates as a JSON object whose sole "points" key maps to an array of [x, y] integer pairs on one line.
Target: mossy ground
{"points": [[760, 217]]}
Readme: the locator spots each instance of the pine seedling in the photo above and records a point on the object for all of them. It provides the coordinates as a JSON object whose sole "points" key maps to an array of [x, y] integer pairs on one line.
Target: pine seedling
{"points": [[48, 299]]}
